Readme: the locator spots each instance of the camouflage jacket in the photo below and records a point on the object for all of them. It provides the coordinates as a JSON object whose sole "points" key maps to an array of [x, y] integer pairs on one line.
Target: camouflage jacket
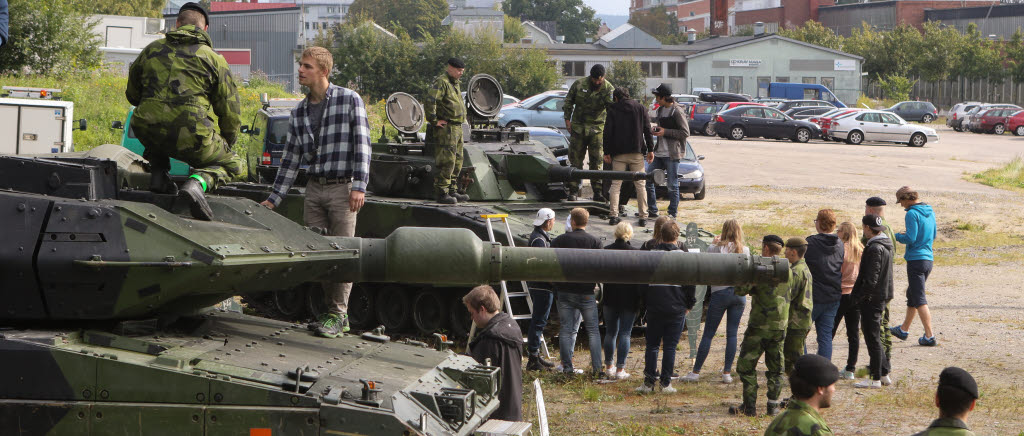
{"points": [[799, 419], [800, 300], [174, 83], [586, 106], [946, 427], [444, 101], [769, 305]]}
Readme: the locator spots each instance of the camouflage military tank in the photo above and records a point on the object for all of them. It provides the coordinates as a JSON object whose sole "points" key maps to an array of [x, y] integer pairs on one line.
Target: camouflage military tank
{"points": [[504, 173], [105, 327]]}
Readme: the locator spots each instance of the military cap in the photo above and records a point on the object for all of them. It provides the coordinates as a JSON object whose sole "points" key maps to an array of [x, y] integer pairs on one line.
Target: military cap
{"points": [[456, 62], [772, 239], [795, 242], [875, 202], [816, 370], [958, 378], [874, 222], [663, 90], [597, 71], [196, 7]]}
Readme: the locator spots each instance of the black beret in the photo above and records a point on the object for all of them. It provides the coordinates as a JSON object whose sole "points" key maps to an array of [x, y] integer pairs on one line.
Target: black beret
{"points": [[815, 370], [196, 7], [874, 222], [456, 62], [597, 71], [772, 239], [875, 202], [960, 379]]}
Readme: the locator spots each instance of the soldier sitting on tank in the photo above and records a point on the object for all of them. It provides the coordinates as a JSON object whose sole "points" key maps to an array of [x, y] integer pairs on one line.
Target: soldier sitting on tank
{"points": [[445, 114], [586, 106], [177, 84]]}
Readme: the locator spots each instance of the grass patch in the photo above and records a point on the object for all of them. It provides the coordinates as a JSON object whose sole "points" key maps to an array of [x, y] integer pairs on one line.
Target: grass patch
{"points": [[1009, 176], [969, 226]]}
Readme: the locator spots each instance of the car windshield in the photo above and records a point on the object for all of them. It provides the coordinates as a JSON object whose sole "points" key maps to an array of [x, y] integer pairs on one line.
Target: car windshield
{"points": [[551, 141], [689, 154], [277, 132], [532, 100]]}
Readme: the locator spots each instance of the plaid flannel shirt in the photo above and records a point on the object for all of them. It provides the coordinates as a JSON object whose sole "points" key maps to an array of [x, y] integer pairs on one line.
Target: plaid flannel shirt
{"points": [[344, 149]]}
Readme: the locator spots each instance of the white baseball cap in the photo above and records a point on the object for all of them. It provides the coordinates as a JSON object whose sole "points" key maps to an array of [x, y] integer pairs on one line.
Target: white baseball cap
{"points": [[543, 215]]}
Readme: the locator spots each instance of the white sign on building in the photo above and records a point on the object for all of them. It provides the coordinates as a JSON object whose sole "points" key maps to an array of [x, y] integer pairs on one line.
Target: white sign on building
{"points": [[745, 63], [846, 65]]}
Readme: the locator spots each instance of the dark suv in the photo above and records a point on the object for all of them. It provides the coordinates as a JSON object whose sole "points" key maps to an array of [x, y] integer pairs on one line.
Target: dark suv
{"points": [[922, 111]]}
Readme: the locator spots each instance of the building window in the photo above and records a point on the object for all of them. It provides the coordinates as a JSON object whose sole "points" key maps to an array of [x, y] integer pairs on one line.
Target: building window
{"points": [[736, 84], [782, 79], [810, 80], [307, 25], [717, 83], [828, 82], [676, 69], [762, 86], [573, 68], [315, 25], [651, 69]]}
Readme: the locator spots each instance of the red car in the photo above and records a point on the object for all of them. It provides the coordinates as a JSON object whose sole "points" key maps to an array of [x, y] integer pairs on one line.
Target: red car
{"points": [[1015, 123], [992, 120], [825, 121]]}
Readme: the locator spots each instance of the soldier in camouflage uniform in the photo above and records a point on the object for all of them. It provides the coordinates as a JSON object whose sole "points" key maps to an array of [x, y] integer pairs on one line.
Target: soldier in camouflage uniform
{"points": [[586, 106], [175, 84], [800, 302], [766, 331], [445, 113], [813, 383]]}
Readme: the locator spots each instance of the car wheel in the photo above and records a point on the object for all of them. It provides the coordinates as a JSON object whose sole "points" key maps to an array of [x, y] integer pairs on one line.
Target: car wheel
{"points": [[917, 140], [999, 129], [855, 137], [802, 135], [699, 195], [927, 118], [737, 133], [516, 124], [1019, 131], [709, 130]]}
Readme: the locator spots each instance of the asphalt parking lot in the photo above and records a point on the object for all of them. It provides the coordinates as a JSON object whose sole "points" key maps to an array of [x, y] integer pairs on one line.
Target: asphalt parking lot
{"points": [[940, 166]]}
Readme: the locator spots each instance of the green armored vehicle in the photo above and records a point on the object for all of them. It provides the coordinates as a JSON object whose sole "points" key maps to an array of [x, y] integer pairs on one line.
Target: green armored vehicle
{"points": [[504, 173], [105, 327]]}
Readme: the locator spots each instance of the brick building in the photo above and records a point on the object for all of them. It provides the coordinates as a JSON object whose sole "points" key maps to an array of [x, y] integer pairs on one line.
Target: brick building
{"points": [[689, 14], [777, 14], [885, 15]]}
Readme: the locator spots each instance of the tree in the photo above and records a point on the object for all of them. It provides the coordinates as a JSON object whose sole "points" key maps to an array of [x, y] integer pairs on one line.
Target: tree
{"points": [[896, 87], [979, 58], [418, 18], [627, 73], [1015, 54], [815, 33], [939, 47], [514, 30], [50, 37], [657, 21], [132, 8], [572, 18]]}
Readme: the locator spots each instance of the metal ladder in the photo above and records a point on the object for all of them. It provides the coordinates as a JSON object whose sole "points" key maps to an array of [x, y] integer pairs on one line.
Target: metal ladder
{"points": [[505, 296]]}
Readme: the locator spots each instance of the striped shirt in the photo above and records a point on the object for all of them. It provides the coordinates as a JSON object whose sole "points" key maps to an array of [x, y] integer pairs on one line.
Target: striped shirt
{"points": [[343, 149]]}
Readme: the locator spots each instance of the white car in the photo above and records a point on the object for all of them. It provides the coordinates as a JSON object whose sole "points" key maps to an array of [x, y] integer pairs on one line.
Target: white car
{"points": [[881, 126]]}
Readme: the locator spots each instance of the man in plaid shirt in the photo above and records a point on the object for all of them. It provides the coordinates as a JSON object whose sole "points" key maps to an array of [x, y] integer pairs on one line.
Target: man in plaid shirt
{"points": [[328, 131]]}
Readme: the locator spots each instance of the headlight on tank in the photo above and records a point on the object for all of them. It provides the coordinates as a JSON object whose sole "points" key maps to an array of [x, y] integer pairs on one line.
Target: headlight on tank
{"points": [[695, 174]]}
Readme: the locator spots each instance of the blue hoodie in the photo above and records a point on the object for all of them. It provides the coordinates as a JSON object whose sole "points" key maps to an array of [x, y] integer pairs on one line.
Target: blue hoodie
{"points": [[920, 232]]}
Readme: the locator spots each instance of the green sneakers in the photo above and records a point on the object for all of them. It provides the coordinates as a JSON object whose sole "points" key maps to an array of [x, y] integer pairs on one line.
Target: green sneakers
{"points": [[332, 325]]}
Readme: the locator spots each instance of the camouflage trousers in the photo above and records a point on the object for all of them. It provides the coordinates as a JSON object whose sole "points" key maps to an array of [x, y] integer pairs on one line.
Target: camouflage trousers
{"points": [[755, 343], [214, 159], [447, 142], [793, 347], [586, 141]]}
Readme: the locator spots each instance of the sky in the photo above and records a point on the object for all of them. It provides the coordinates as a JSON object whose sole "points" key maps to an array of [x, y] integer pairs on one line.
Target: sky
{"points": [[612, 7]]}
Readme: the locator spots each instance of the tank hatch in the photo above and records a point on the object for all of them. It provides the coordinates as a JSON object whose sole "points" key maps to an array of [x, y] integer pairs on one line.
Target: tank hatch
{"points": [[405, 113]]}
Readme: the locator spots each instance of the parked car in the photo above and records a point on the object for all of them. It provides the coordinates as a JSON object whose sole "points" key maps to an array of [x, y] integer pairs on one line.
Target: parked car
{"points": [[1015, 123], [971, 118], [798, 91], [691, 179], [736, 104], [552, 138], [827, 120], [790, 104], [956, 114], [700, 118], [540, 110], [806, 112], [765, 122], [992, 120], [881, 126], [922, 111]]}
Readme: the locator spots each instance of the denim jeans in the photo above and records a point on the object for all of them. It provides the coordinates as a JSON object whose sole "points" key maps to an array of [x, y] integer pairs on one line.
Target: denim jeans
{"points": [[542, 299], [663, 330], [671, 168], [724, 303], [618, 325], [824, 317], [572, 309]]}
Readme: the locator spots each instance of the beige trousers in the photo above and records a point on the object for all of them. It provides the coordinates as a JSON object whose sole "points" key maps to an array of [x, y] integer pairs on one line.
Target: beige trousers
{"points": [[628, 162], [327, 207]]}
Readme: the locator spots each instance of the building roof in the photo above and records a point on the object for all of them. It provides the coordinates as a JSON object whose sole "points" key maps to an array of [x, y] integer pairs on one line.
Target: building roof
{"points": [[233, 7], [741, 41], [542, 32], [628, 36]]}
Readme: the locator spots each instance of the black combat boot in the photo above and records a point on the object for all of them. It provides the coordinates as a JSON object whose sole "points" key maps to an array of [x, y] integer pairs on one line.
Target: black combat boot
{"points": [[614, 220], [160, 182], [200, 208], [599, 196], [743, 409], [458, 195], [572, 196], [444, 198], [533, 364], [773, 408]]}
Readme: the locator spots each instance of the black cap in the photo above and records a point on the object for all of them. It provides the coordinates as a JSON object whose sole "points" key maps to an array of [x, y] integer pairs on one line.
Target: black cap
{"points": [[772, 239], [663, 90], [456, 62], [874, 222], [960, 379], [196, 7], [875, 202], [816, 370], [597, 71]]}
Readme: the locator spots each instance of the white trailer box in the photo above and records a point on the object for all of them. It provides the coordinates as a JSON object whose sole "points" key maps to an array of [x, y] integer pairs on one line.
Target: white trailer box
{"points": [[30, 126]]}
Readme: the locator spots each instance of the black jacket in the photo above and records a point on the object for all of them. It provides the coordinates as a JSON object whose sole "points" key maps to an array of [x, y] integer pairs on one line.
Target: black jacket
{"points": [[578, 238], [669, 300], [619, 296], [539, 239], [651, 244], [501, 340], [825, 259], [874, 281], [628, 129]]}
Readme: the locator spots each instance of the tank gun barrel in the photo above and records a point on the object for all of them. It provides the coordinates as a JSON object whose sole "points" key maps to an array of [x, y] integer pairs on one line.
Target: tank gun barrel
{"points": [[525, 168], [565, 174]]}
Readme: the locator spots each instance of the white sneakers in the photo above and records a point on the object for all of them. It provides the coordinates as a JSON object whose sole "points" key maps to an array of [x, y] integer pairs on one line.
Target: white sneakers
{"points": [[691, 377], [668, 389], [886, 381], [868, 384], [622, 374], [726, 378], [647, 389], [847, 375]]}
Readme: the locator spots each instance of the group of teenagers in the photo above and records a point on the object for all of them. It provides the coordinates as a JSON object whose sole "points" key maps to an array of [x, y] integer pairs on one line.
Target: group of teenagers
{"points": [[834, 275]]}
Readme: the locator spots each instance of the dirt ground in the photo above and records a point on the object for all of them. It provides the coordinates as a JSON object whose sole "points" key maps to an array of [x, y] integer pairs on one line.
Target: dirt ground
{"points": [[974, 292]]}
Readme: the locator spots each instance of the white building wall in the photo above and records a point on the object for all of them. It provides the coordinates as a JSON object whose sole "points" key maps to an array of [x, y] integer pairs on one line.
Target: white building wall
{"points": [[679, 84], [118, 31]]}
